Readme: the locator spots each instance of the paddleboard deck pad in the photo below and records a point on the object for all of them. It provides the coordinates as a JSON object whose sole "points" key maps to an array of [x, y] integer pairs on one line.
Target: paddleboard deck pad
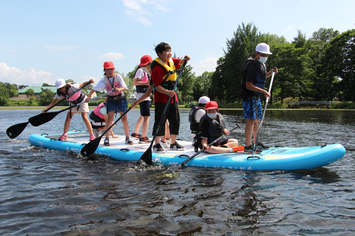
{"points": [[274, 158]]}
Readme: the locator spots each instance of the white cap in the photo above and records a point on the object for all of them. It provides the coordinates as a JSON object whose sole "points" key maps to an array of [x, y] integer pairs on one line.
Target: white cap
{"points": [[60, 83], [203, 100], [263, 48]]}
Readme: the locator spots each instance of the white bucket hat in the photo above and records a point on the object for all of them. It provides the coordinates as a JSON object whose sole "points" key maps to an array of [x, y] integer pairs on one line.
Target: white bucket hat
{"points": [[60, 83], [203, 100], [263, 48]]}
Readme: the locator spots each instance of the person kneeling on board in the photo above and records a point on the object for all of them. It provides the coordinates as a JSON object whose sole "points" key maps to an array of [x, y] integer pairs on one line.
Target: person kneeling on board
{"points": [[213, 127], [99, 118]]}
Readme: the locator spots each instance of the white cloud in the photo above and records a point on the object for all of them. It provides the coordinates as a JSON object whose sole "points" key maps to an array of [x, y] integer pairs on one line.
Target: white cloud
{"points": [[65, 48], [289, 29], [14, 75], [112, 56], [139, 9], [209, 65]]}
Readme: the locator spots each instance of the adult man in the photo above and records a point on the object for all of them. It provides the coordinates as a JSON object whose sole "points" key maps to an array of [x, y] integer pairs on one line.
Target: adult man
{"points": [[195, 116], [254, 74]]}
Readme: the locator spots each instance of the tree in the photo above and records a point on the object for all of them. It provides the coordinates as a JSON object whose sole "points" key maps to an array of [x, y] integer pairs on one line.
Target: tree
{"points": [[30, 92], [202, 85], [186, 82], [338, 67]]}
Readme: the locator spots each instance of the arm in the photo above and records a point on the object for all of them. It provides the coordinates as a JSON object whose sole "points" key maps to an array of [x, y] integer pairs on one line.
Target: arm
{"points": [[89, 82], [51, 104], [89, 95], [145, 95], [268, 74], [137, 82], [250, 86]]}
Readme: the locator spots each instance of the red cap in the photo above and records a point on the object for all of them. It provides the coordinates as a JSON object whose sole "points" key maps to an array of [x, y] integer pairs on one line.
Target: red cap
{"points": [[145, 60], [109, 65], [211, 105]]}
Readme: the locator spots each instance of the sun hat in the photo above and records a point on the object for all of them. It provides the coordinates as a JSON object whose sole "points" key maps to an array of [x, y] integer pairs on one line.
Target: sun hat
{"points": [[211, 105], [145, 60], [263, 48], [60, 83], [109, 65], [203, 100]]}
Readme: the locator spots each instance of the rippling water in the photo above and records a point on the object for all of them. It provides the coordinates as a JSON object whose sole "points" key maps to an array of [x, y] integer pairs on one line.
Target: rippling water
{"points": [[44, 192]]}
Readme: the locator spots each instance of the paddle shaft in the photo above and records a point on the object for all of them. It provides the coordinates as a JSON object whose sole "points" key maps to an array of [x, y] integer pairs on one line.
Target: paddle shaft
{"points": [[48, 116], [114, 123], [209, 145], [149, 160], [262, 120]]}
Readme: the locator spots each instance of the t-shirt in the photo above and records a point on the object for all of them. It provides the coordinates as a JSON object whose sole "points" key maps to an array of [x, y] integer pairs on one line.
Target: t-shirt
{"points": [[158, 75]]}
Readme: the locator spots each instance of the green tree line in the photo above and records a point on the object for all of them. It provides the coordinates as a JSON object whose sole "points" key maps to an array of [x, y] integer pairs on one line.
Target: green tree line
{"points": [[320, 68]]}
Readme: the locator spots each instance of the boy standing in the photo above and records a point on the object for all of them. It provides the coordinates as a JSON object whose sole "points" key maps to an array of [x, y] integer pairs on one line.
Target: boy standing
{"points": [[164, 77]]}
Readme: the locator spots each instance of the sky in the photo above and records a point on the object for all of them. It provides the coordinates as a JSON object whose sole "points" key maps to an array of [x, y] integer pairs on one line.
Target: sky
{"points": [[45, 40]]}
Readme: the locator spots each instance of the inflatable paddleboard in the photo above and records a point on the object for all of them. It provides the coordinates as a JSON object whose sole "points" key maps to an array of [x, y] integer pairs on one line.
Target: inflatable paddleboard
{"points": [[274, 158]]}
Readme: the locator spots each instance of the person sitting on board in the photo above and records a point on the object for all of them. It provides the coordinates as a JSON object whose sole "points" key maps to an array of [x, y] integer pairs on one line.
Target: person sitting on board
{"points": [[212, 126], [195, 116], [164, 83], [254, 74], [63, 89], [99, 119], [116, 101], [141, 81]]}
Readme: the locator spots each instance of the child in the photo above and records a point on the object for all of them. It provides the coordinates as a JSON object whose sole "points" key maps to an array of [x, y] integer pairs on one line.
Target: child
{"points": [[142, 81], [99, 120], [162, 65], [63, 89], [212, 126], [116, 101]]}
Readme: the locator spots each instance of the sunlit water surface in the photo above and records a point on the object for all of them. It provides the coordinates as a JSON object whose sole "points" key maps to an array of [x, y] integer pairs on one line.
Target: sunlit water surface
{"points": [[44, 192]]}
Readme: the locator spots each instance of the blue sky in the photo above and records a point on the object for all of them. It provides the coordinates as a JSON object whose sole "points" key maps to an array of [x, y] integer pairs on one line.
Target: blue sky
{"points": [[44, 40]]}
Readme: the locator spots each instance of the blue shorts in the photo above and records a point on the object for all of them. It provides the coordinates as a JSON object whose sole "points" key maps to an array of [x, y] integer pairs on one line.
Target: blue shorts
{"points": [[250, 109], [145, 108], [121, 106]]}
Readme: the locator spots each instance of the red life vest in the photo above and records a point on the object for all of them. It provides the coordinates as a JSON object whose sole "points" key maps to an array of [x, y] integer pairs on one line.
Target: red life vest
{"points": [[97, 110]]}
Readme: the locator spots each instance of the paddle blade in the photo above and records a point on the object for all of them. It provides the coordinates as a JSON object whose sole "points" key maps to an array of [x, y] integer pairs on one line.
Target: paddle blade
{"points": [[42, 118], [147, 156], [91, 147], [16, 130]]}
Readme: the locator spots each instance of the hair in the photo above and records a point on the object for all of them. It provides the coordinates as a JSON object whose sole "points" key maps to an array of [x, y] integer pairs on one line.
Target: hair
{"points": [[138, 69], [161, 47], [60, 93]]}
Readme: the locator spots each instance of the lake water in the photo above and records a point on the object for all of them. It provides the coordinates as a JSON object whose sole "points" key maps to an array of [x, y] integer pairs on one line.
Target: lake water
{"points": [[44, 192]]}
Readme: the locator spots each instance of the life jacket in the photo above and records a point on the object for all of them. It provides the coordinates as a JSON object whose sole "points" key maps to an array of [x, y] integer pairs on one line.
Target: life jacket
{"points": [[143, 88], [194, 125], [110, 87], [77, 97], [170, 76], [259, 80], [216, 127], [97, 112]]}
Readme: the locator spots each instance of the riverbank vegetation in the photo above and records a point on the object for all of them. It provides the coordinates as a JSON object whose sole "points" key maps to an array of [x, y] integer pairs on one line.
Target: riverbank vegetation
{"points": [[317, 72]]}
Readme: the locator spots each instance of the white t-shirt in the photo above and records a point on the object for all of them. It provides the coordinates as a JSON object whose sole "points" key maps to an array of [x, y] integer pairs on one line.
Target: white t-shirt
{"points": [[100, 86], [198, 115], [139, 75]]}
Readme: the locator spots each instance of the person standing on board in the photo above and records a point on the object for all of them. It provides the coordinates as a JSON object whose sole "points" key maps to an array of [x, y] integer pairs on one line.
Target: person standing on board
{"points": [[116, 101], [63, 89], [141, 81], [254, 74], [195, 116], [161, 66], [212, 126]]}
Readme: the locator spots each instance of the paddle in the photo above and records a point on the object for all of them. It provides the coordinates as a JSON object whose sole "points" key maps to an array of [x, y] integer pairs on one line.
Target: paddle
{"points": [[262, 120], [147, 155], [209, 145], [91, 147], [42, 118], [16, 130]]}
